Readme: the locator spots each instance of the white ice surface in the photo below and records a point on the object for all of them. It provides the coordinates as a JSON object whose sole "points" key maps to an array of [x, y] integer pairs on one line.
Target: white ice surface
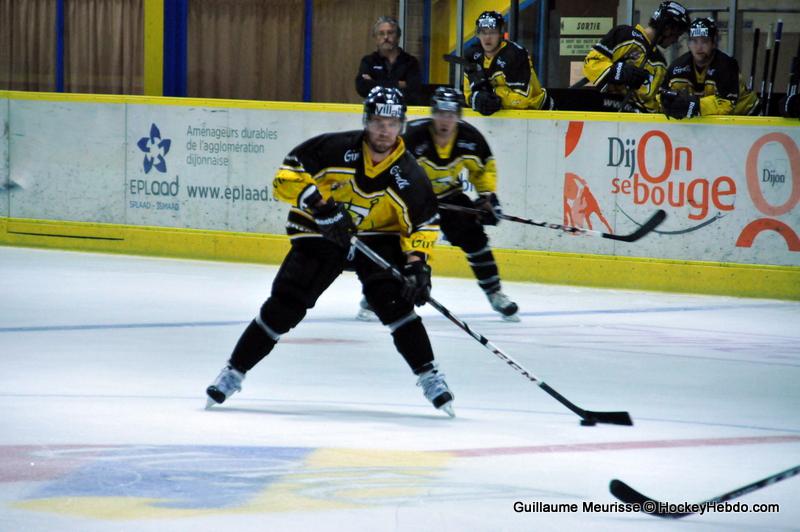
{"points": [[105, 360]]}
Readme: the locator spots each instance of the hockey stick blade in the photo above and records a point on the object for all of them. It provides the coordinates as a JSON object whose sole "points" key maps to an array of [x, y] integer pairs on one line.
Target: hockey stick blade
{"points": [[610, 418], [647, 227], [627, 494], [588, 417]]}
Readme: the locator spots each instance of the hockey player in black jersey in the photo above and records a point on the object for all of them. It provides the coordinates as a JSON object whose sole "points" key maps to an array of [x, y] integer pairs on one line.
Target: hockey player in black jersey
{"points": [[627, 58], [339, 184], [500, 74], [705, 81], [445, 147]]}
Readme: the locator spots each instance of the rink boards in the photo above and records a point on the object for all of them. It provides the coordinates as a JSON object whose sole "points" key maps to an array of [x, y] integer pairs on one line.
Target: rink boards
{"points": [[192, 178]]}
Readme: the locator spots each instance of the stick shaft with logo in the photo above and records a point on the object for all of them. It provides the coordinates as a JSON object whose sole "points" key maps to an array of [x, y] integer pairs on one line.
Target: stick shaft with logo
{"points": [[752, 78], [588, 417], [643, 229], [773, 70]]}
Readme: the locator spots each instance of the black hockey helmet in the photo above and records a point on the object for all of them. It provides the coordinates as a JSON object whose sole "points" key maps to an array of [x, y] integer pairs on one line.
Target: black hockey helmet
{"points": [[385, 101], [489, 20], [448, 100], [703, 27], [670, 14]]}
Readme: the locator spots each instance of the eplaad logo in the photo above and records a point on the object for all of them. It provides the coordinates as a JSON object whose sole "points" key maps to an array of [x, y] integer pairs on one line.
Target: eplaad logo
{"points": [[155, 149]]}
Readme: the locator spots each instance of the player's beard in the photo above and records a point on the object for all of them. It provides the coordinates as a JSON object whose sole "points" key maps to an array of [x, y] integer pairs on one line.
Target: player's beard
{"points": [[381, 144]]}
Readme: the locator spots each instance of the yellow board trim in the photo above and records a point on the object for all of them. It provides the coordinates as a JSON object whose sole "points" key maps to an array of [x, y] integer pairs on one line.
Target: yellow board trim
{"points": [[717, 278], [154, 47], [413, 111]]}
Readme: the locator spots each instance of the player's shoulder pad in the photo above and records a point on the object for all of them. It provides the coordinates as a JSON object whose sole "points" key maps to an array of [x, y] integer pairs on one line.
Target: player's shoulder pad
{"points": [[415, 126], [416, 132], [623, 33], [407, 175], [681, 66], [514, 53], [327, 149], [409, 181], [725, 61], [472, 141]]}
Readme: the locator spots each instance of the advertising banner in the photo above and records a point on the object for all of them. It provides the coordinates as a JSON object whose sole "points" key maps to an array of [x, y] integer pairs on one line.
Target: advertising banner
{"points": [[731, 192], [212, 168]]}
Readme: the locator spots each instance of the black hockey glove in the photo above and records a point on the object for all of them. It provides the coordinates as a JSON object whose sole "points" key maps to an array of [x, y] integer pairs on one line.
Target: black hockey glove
{"points": [[490, 207], [486, 102], [417, 286], [680, 105], [334, 222], [549, 104], [631, 76]]}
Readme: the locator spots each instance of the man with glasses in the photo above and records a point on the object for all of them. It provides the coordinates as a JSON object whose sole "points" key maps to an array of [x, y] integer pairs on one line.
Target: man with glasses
{"points": [[389, 65], [339, 184]]}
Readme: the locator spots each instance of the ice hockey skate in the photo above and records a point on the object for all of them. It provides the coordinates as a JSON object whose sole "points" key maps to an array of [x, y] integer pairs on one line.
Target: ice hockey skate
{"points": [[436, 390], [365, 312], [507, 308], [228, 382]]}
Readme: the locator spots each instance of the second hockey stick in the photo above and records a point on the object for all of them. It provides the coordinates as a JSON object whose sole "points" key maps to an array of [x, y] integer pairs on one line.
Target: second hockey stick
{"points": [[627, 494], [588, 417], [643, 229]]}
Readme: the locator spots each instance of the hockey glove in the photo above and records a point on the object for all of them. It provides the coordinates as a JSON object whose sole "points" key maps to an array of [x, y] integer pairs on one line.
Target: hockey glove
{"points": [[680, 105], [417, 286], [486, 102], [334, 222], [623, 73], [548, 104], [490, 207]]}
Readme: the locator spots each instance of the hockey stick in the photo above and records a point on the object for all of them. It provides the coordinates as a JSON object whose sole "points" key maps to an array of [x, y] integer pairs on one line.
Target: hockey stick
{"points": [[643, 229], [751, 81], [763, 92], [588, 417], [778, 32], [627, 494]]}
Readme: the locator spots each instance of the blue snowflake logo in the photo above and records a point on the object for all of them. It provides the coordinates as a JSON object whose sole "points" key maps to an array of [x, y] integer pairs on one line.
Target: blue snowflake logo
{"points": [[155, 149]]}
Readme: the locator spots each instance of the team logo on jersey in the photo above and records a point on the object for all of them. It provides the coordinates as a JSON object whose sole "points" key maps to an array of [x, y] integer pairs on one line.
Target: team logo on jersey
{"points": [[681, 70], [501, 63], [351, 156], [155, 150], [398, 178], [390, 110], [419, 150]]}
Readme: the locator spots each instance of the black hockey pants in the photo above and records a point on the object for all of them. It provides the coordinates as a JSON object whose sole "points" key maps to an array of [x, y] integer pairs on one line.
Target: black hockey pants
{"points": [[308, 270]]}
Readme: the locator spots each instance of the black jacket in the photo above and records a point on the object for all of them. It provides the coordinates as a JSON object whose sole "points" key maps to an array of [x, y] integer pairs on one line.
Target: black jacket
{"points": [[405, 68]]}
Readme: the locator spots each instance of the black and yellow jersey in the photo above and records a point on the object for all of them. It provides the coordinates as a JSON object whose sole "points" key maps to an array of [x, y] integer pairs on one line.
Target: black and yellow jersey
{"points": [[393, 196], [467, 152], [629, 44], [719, 85], [511, 74]]}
